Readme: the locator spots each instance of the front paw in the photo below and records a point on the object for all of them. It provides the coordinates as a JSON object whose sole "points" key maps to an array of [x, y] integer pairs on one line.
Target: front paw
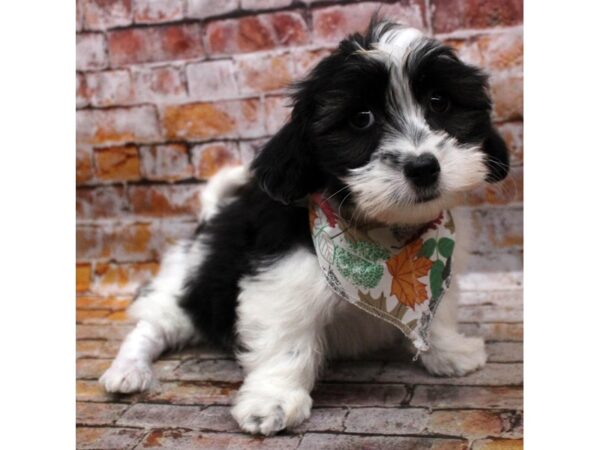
{"points": [[258, 413], [127, 376], [455, 355]]}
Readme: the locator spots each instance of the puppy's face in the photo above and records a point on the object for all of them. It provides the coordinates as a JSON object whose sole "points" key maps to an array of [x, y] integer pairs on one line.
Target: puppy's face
{"points": [[392, 123]]}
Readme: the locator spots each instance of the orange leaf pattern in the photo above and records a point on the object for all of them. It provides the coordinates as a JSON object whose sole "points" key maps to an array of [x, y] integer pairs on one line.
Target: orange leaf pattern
{"points": [[406, 268]]}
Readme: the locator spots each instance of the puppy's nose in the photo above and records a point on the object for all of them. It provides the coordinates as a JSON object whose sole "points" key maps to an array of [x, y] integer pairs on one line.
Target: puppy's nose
{"points": [[422, 171]]}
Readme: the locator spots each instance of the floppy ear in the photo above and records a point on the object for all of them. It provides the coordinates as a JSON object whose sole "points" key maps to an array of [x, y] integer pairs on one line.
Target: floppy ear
{"points": [[284, 168], [497, 160]]}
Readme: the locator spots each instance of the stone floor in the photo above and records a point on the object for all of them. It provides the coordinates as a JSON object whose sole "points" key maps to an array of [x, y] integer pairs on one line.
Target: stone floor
{"points": [[379, 402]]}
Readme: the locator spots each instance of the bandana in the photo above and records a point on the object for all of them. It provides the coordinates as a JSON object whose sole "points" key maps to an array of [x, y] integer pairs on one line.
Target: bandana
{"points": [[396, 273]]}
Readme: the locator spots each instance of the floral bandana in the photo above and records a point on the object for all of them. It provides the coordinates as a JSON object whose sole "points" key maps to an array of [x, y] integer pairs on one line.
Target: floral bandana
{"points": [[398, 274]]}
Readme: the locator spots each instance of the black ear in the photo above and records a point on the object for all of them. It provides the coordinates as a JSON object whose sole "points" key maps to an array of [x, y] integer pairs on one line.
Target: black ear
{"points": [[284, 168], [497, 161]]}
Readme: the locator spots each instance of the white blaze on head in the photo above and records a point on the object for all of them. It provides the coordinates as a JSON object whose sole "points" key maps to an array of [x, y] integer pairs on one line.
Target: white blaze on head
{"points": [[397, 42]]}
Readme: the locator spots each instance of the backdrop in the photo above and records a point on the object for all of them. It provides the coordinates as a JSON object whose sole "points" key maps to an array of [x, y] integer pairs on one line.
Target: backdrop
{"points": [[170, 91]]}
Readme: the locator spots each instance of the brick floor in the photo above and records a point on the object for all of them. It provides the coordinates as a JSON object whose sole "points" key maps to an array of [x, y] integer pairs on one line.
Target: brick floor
{"points": [[380, 402]]}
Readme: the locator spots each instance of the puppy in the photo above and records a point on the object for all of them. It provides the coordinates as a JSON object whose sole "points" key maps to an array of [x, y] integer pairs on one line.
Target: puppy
{"points": [[392, 128]]}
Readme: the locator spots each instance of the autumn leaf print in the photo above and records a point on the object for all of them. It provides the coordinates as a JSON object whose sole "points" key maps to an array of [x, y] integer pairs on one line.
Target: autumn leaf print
{"points": [[406, 268]]}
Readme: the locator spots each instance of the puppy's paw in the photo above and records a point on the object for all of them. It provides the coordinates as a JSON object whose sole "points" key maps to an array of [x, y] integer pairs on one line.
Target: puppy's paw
{"points": [[257, 413], [455, 356], [127, 376]]}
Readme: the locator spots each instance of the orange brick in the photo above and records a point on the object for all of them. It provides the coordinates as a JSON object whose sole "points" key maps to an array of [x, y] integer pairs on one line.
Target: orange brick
{"points": [[96, 302], [208, 159], [83, 277], [166, 162], [84, 170], [498, 444], [100, 202], [102, 14], [163, 201], [507, 94], [277, 113], [117, 163], [264, 73], [87, 314], [123, 278], [117, 125], [510, 190], [466, 423], [449, 15], [211, 120]]}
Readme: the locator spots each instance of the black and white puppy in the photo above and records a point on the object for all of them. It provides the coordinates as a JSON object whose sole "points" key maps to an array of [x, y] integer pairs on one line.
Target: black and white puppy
{"points": [[393, 126]]}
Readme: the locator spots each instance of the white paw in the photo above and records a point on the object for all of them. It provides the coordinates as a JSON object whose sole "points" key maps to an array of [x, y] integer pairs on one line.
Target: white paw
{"points": [[127, 376], [258, 413], [453, 356]]}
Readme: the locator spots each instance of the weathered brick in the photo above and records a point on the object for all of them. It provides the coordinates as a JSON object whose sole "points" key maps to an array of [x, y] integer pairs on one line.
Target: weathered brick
{"points": [[212, 80], [333, 23], [325, 441], [471, 424], [97, 302], [497, 397], [117, 125], [212, 120], [123, 278], [323, 419], [249, 150], [208, 159], [512, 332], [159, 84], [193, 440], [497, 229], [491, 374], [153, 44], [117, 163], [100, 202], [264, 4], [164, 201], [507, 94], [84, 168], [83, 277], [93, 368], [155, 11], [86, 315], [498, 444], [227, 371], [495, 271], [255, 33], [498, 307], [505, 351], [165, 162], [78, 15], [97, 349], [103, 14], [194, 393], [449, 15], [108, 88], [92, 391], [200, 9], [307, 59], [81, 93], [91, 51], [512, 132], [98, 414], [505, 192], [107, 332], [387, 420], [107, 438], [346, 394], [213, 418], [263, 73], [277, 113]]}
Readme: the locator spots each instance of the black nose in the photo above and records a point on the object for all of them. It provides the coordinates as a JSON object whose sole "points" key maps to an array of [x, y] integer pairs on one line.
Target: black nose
{"points": [[422, 171]]}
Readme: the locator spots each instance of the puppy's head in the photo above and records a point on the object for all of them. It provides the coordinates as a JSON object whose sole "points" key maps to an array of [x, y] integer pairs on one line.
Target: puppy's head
{"points": [[392, 123]]}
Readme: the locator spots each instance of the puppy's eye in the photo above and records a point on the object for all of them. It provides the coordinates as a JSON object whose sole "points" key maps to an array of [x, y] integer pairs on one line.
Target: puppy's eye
{"points": [[362, 120], [439, 103]]}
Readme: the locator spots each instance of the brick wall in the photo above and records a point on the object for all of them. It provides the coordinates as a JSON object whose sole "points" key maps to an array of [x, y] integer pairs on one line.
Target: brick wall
{"points": [[169, 91]]}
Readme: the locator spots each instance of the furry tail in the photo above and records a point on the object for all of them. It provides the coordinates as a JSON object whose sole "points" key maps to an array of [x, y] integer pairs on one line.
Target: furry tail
{"points": [[221, 187]]}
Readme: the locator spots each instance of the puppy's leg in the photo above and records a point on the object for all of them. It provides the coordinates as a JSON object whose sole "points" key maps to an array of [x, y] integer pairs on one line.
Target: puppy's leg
{"points": [[282, 314], [451, 353], [162, 324]]}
